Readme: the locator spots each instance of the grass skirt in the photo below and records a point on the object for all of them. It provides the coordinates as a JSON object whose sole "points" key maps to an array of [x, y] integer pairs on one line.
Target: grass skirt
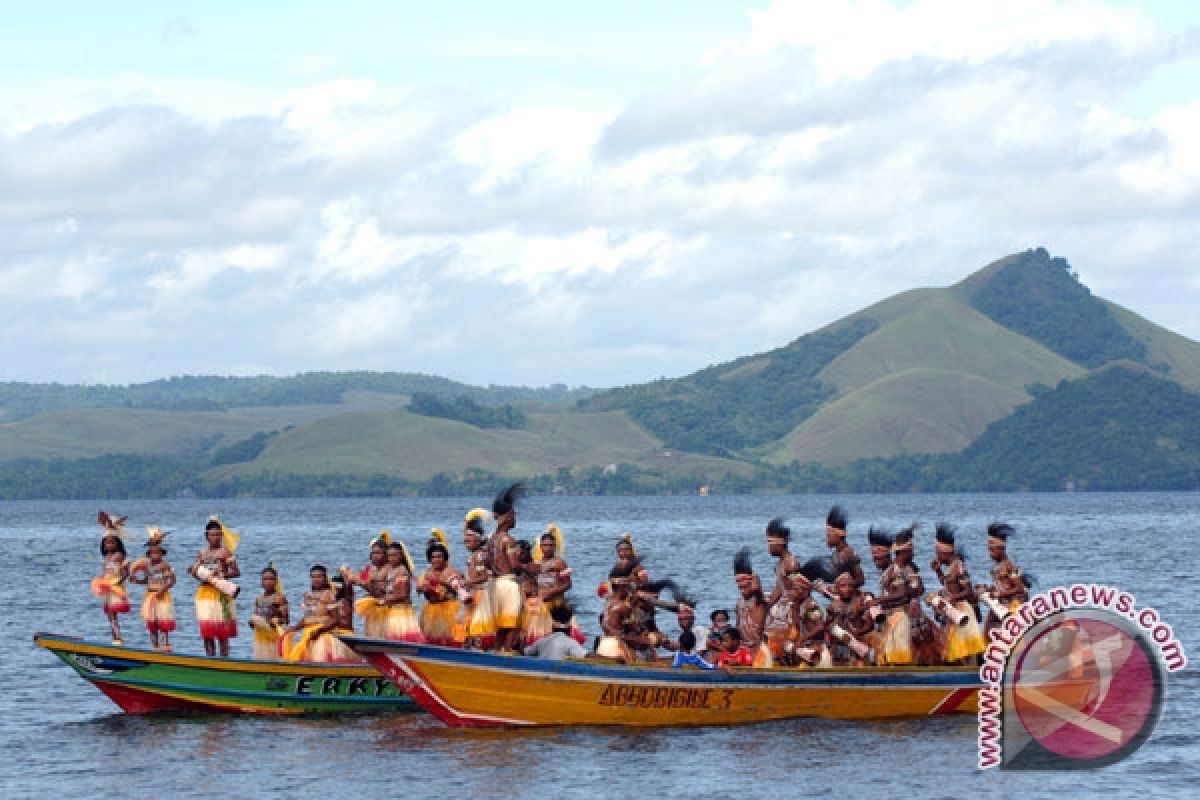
{"points": [[507, 601], [215, 613], [113, 597], [401, 624], [477, 617], [537, 623], [897, 638], [373, 615], [266, 639], [158, 612], [437, 623], [964, 641]]}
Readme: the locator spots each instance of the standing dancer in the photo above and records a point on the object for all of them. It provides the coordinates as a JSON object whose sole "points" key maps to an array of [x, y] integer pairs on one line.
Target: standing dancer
{"points": [[552, 577], [477, 626], [270, 615], [401, 622], [158, 608], [440, 584], [109, 585], [504, 590], [964, 640], [374, 579], [844, 557], [215, 610]]}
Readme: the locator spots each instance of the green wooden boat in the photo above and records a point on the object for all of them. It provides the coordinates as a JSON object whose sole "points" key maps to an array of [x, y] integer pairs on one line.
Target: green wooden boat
{"points": [[149, 681]]}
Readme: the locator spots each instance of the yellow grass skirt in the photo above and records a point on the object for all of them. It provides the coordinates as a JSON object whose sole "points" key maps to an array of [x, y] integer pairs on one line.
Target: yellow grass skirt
{"points": [[437, 623], [480, 624], [508, 601], [373, 615], [537, 623], [266, 640], [964, 641], [298, 645], [158, 612], [897, 638], [401, 624]]}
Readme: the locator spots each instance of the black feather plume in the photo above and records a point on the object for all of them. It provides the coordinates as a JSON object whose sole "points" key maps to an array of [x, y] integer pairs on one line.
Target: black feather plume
{"points": [[506, 501], [944, 533], [741, 562], [836, 518], [878, 537], [777, 529], [1000, 530], [820, 568]]}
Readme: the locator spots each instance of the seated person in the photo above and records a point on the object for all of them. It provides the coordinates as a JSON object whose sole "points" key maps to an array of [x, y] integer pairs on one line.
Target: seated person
{"points": [[734, 653], [558, 644], [684, 657]]}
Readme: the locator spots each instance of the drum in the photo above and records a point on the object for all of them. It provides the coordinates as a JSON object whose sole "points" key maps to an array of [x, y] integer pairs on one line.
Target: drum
{"points": [[225, 587]]}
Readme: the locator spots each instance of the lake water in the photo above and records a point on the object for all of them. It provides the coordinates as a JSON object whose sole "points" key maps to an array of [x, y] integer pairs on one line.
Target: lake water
{"points": [[59, 736]]}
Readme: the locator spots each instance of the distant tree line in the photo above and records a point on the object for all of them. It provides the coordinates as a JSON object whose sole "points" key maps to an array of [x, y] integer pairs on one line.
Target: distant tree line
{"points": [[215, 393], [1121, 428]]}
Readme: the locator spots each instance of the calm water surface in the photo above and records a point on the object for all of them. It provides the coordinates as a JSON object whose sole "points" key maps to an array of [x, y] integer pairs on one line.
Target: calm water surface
{"points": [[59, 736]]}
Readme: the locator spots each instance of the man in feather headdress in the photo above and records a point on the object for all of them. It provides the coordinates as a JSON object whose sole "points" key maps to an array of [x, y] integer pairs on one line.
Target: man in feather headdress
{"points": [[963, 640], [778, 537], [1008, 587], [551, 577], [504, 591], [751, 609], [844, 557]]}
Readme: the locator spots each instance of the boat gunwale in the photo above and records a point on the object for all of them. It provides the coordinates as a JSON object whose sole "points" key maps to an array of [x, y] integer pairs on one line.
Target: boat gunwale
{"points": [[581, 670], [61, 643]]}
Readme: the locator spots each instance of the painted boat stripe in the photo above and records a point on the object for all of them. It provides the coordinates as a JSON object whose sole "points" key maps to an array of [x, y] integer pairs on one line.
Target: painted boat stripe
{"points": [[191, 690]]}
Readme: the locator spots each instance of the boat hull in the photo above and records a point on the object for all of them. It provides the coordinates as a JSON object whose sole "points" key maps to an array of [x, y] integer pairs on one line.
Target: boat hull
{"points": [[472, 689], [149, 681]]}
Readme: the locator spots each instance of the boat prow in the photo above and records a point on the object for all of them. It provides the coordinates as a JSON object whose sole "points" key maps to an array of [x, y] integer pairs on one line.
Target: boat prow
{"points": [[474, 689], [144, 681]]}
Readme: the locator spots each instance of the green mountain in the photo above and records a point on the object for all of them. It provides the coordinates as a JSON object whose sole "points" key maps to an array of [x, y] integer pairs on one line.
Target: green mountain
{"points": [[1017, 377]]}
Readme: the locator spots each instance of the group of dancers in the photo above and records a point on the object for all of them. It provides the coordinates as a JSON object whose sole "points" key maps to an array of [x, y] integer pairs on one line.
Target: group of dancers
{"points": [[512, 596]]}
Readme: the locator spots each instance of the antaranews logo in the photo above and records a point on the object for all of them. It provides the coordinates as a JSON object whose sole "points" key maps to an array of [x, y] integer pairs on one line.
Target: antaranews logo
{"points": [[1074, 678]]}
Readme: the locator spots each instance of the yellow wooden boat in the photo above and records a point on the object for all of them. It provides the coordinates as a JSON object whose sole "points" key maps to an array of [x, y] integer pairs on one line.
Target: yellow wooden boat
{"points": [[474, 689]]}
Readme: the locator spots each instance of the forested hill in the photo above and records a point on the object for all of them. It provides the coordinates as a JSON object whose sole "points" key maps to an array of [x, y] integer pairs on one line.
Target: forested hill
{"points": [[749, 402], [217, 393], [1017, 377], [1041, 298]]}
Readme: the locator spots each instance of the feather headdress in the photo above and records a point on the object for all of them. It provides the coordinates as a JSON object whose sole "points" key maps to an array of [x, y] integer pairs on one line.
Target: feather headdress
{"points": [[777, 530], [506, 501], [112, 526], [1000, 530], [155, 535], [559, 543], [477, 520], [878, 537], [836, 518], [229, 537]]}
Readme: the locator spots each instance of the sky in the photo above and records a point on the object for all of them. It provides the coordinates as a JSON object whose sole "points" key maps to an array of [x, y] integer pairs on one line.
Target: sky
{"points": [[543, 192]]}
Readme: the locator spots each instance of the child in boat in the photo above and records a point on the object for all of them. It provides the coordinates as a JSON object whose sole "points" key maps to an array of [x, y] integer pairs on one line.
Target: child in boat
{"points": [[720, 624], [734, 653], [270, 615], [684, 657], [158, 608], [108, 586]]}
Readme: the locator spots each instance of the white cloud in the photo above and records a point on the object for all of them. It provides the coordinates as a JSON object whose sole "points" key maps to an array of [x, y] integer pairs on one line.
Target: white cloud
{"points": [[830, 155]]}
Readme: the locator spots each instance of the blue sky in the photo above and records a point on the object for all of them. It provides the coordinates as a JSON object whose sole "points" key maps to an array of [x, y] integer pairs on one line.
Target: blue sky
{"points": [[556, 192]]}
